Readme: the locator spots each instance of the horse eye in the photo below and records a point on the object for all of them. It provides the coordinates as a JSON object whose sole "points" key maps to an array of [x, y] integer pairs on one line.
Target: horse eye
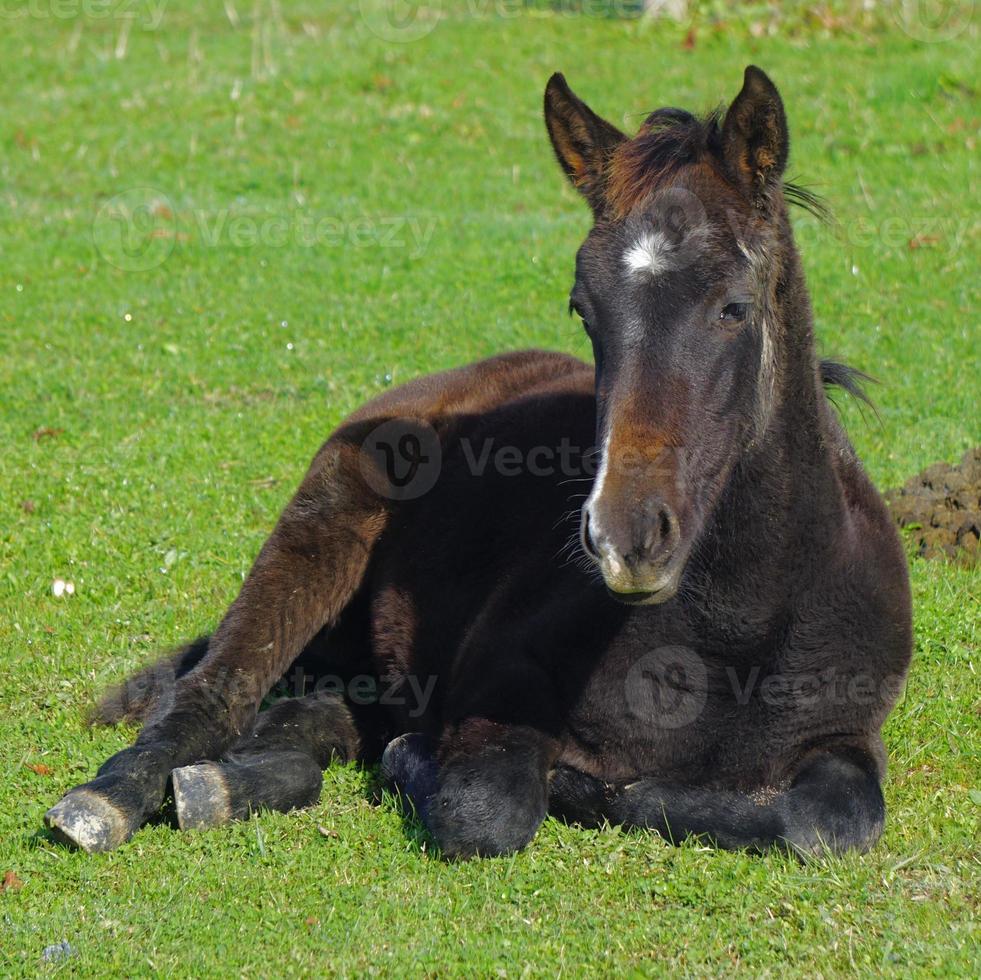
{"points": [[734, 312]]}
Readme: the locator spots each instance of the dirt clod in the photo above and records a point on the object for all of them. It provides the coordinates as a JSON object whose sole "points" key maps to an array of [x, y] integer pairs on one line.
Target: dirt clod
{"points": [[940, 509]]}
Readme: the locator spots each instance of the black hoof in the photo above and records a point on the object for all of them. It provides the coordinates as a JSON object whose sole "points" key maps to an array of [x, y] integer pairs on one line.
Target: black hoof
{"points": [[201, 797], [409, 766], [87, 820], [478, 821], [576, 797]]}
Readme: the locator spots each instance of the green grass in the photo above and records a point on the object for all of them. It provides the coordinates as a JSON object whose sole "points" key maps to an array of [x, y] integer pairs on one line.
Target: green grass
{"points": [[187, 399]]}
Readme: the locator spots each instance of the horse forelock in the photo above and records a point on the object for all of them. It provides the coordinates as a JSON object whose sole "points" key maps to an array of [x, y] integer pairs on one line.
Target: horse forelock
{"points": [[669, 140]]}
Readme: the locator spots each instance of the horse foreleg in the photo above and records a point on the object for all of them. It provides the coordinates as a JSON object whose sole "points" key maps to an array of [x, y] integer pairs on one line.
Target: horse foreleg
{"points": [[834, 803], [483, 794], [483, 789]]}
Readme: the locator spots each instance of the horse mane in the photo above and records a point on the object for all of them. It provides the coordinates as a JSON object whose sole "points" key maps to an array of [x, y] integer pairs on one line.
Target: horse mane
{"points": [[670, 139], [803, 197], [834, 374]]}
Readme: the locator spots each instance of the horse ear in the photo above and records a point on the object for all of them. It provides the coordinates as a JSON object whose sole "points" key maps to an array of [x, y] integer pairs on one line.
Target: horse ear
{"points": [[582, 140], [755, 142]]}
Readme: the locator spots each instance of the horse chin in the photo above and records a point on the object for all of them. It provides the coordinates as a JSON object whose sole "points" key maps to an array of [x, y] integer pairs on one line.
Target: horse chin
{"points": [[663, 589]]}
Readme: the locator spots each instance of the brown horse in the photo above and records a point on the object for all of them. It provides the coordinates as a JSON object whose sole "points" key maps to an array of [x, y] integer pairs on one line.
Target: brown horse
{"points": [[711, 650]]}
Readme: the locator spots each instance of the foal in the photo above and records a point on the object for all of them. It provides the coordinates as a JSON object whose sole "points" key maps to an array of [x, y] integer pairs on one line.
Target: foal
{"points": [[720, 660]]}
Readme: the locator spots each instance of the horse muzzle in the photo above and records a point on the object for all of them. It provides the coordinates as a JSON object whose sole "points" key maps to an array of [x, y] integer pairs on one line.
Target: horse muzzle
{"points": [[639, 554]]}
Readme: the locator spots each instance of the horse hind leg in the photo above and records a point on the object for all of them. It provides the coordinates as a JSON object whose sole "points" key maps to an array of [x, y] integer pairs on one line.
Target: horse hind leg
{"points": [[277, 766], [306, 575]]}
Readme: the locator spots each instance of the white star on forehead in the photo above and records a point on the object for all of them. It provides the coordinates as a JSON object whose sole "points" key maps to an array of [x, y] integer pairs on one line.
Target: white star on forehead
{"points": [[649, 255]]}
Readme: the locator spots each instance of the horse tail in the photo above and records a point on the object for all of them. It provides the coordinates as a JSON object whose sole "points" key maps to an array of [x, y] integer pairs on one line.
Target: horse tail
{"points": [[143, 692]]}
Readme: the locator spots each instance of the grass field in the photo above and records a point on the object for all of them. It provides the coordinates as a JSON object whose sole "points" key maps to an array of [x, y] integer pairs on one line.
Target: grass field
{"points": [[221, 229]]}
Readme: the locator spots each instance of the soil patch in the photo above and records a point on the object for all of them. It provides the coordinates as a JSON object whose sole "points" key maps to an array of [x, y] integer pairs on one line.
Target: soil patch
{"points": [[940, 509]]}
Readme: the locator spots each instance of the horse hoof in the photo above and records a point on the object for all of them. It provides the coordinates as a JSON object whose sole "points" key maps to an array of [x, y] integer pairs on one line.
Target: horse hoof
{"points": [[201, 796], [408, 765], [86, 820], [406, 758]]}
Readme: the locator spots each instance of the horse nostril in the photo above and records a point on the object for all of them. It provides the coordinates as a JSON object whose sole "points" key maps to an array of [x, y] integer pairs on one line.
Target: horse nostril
{"points": [[588, 545], [663, 535]]}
